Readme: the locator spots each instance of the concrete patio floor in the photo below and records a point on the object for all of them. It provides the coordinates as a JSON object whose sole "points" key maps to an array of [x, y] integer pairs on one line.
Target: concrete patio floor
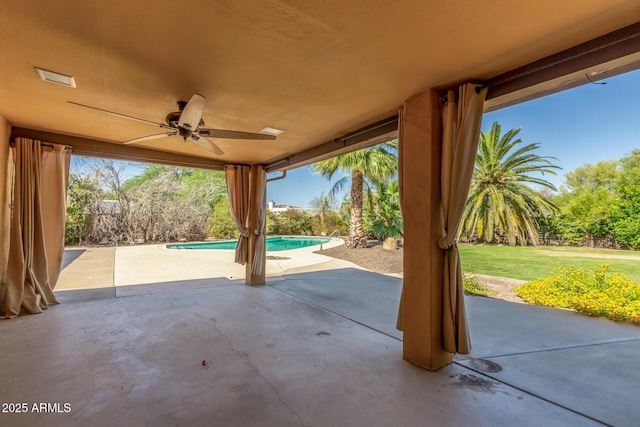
{"points": [[315, 347]]}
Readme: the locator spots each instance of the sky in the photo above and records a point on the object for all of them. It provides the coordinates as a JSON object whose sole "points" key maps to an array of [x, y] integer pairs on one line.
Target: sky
{"points": [[587, 124]]}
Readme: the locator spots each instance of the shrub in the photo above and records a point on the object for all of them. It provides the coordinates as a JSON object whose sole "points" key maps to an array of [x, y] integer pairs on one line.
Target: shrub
{"points": [[81, 195], [332, 222], [289, 222], [472, 286], [163, 204], [595, 293], [221, 224]]}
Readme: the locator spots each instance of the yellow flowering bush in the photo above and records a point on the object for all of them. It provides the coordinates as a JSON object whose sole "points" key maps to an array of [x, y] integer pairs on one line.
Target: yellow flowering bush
{"points": [[472, 286], [596, 293]]}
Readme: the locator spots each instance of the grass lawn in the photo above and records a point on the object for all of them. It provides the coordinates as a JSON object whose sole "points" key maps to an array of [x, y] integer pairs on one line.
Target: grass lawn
{"points": [[529, 263]]}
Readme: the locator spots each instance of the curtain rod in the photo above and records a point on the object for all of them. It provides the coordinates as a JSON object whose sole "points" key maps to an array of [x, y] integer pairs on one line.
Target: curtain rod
{"points": [[609, 46], [620, 42], [12, 143]]}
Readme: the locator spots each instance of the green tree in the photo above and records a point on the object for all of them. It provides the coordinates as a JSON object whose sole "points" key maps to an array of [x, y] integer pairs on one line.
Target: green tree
{"points": [[626, 217], [586, 202], [626, 212], [290, 222], [360, 168], [501, 201], [204, 186], [82, 193], [221, 224], [586, 216], [161, 204], [589, 177], [600, 204]]}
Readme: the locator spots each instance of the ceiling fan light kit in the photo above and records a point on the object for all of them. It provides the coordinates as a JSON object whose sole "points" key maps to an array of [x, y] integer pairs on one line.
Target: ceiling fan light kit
{"points": [[271, 131]]}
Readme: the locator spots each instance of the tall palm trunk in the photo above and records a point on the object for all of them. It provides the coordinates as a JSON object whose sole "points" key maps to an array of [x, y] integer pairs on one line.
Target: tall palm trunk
{"points": [[357, 238]]}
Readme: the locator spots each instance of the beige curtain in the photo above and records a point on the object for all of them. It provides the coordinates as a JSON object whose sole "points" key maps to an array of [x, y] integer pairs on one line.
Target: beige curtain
{"points": [[55, 169], [462, 118], [400, 318], [6, 166], [261, 208], [237, 177], [35, 254]]}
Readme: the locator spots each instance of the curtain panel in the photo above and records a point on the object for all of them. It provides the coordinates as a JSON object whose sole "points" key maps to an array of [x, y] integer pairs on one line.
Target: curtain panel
{"points": [[461, 120], [36, 244], [237, 177], [6, 168]]}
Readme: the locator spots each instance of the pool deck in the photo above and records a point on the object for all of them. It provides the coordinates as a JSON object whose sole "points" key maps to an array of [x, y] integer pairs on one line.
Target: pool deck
{"points": [[125, 270]]}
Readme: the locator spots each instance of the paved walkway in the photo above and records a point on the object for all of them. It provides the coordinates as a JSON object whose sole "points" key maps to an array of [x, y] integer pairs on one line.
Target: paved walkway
{"points": [[583, 366]]}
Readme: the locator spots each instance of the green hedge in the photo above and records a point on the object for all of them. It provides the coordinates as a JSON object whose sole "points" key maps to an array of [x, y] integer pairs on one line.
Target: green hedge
{"points": [[596, 293]]}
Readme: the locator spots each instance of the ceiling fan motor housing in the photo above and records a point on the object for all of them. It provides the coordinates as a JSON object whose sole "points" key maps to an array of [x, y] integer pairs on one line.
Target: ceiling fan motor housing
{"points": [[184, 132], [173, 118]]}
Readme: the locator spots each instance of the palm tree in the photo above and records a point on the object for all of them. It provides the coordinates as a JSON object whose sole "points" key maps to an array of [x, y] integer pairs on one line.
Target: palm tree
{"points": [[500, 200], [361, 168], [384, 215]]}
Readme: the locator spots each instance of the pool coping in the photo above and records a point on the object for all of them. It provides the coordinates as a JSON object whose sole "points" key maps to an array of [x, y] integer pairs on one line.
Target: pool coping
{"points": [[332, 243]]}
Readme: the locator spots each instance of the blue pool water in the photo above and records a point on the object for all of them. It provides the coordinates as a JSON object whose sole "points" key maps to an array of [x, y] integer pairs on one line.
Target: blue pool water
{"points": [[273, 243]]}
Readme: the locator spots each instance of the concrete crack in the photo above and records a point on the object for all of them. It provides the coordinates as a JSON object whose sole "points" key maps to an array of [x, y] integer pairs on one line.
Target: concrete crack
{"points": [[244, 356]]}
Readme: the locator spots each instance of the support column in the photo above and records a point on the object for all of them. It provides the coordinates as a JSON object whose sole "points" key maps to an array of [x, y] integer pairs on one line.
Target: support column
{"points": [[250, 278], [423, 259]]}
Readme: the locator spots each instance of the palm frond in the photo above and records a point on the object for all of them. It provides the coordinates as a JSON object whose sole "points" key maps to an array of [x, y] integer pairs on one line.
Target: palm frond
{"points": [[339, 186]]}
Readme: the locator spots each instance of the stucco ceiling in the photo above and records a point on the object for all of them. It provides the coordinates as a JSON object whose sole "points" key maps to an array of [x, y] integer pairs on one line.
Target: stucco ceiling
{"points": [[317, 69]]}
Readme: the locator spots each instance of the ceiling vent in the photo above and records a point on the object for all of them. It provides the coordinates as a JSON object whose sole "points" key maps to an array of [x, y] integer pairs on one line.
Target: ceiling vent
{"points": [[53, 77]]}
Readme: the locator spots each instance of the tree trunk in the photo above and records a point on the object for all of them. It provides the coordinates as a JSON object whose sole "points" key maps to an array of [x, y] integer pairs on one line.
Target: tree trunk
{"points": [[357, 238]]}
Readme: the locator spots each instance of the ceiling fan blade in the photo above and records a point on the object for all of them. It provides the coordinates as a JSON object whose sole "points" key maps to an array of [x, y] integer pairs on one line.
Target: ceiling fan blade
{"points": [[146, 138], [192, 113], [206, 144], [162, 125], [233, 134]]}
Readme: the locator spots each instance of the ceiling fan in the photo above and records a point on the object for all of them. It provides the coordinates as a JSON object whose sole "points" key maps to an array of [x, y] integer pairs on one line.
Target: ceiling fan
{"points": [[187, 123]]}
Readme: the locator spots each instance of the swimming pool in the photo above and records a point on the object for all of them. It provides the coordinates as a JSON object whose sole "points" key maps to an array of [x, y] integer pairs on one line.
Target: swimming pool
{"points": [[274, 244]]}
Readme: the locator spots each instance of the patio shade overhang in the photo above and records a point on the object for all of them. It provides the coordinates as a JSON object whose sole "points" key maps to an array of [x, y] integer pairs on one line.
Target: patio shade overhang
{"points": [[331, 75]]}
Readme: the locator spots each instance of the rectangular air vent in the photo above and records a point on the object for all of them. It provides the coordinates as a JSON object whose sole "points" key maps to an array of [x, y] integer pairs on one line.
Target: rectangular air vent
{"points": [[53, 77]]}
